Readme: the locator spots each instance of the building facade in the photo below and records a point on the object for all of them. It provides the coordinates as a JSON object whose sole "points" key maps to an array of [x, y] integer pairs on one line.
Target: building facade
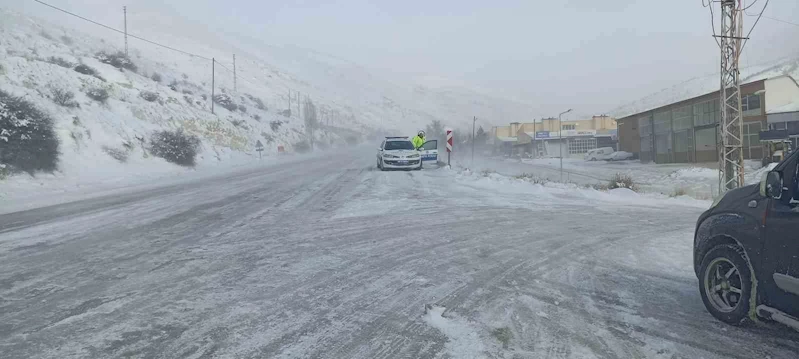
{"points": [[687, 131], [782, 113], [551, 138]]}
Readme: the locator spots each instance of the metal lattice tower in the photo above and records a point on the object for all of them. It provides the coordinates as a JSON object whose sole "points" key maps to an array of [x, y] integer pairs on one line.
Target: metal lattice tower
{"points": [[731, 169]]}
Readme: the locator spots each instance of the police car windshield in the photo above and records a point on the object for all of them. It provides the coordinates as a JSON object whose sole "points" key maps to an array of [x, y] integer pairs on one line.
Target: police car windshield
{"points": [[398, 145]]}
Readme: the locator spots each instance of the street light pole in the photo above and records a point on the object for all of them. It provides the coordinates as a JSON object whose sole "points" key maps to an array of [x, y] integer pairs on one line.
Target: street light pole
{"points": [[474, 121], [560, 141]]}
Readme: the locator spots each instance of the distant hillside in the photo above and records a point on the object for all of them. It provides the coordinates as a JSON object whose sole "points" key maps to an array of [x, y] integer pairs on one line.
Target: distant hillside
{"points": [[171, 90]]}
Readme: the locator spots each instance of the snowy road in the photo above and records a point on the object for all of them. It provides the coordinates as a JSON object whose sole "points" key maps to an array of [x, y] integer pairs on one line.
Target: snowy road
{"points": [[323, 258]]}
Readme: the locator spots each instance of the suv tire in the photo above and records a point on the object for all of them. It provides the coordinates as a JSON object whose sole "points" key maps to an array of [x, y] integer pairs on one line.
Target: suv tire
{"points": [[725, 283]]}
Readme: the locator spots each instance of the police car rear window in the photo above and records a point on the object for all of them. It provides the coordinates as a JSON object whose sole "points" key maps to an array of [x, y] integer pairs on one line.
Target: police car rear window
{"points": [[399, 145]]}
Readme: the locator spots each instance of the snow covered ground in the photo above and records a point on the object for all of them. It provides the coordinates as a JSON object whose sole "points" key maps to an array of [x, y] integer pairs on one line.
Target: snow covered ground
{"points": [[697, 180], [327, 257]]}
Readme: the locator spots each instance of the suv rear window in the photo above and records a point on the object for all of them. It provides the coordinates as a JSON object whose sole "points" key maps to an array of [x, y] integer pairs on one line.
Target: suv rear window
{"points": [[398, 145]]}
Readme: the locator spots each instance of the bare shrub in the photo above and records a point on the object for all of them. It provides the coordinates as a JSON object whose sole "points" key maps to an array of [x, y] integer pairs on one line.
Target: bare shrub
{"points": [[60, 62], [63, 97], [66, 40], [275, 125], [225, 101], [117, 59], [259, 104], [175, 146], [531, 178], [116, 153], [149, 96], [242, 108], [28, 138], [239, 123], [680, 191], [87, 70], [156, 77], [98, 94], [620, 180]]}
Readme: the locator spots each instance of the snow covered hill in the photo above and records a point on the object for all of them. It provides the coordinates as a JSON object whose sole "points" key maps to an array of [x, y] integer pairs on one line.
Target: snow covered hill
{"points": [[171, 90]]}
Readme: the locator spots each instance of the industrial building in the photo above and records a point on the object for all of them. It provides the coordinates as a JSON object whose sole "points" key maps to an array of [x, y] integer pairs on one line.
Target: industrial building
{"points": [[687, 130]]}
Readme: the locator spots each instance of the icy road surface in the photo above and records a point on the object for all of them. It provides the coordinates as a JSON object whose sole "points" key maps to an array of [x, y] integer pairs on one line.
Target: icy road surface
{"points": [[321, 258]]}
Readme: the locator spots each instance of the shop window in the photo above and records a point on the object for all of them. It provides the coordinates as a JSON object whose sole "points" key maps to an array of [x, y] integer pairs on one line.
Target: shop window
{"points": [[750, 105], [581, 145]]}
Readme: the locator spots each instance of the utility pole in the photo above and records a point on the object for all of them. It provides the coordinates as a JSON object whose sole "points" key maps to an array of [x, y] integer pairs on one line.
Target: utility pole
{"points": [[474, 121], [560, 141], [731, 169], [125, 12], [213, 62], [234, 74], [535, 148], [289, 100]]}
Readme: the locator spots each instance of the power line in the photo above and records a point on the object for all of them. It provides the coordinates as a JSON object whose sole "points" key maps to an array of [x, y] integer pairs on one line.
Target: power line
{"points": [[240, 78], [120, 31], [753, 25], [750, 5], [779, 20], [712, 20]]}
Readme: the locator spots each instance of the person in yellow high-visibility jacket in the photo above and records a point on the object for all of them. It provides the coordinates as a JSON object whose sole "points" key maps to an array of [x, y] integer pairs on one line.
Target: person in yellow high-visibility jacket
{"points": [[418, 140]]}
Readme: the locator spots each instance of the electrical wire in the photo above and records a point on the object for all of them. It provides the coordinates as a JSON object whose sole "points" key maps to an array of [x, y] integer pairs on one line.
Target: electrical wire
{"points": [[120, 31], [782, 21], [712, 20], [750, 5], [237, 77], [746, 41]]}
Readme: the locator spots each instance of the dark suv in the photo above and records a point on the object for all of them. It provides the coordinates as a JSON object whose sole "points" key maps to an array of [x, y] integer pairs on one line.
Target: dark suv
{"points": [[746, 250]]}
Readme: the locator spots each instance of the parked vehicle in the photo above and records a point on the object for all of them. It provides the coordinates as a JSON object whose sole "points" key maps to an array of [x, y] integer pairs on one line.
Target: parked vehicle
{"points": [[746, 252], [620, 156], [602, 153], [399, 153]]}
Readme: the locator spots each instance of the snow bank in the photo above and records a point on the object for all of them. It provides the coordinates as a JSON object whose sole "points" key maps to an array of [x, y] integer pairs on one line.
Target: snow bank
{"points": [[531, 189], [695, 172], [464, 340]]}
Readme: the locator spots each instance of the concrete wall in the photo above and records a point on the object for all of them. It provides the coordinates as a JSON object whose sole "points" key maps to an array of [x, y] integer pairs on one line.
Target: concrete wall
{"points": [[780, 91], [630, 136]]}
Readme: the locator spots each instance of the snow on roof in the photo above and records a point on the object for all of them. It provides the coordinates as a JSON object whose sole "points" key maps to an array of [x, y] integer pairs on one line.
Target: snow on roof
{"points": [[506, 139], [791, 107], [706, 84]]}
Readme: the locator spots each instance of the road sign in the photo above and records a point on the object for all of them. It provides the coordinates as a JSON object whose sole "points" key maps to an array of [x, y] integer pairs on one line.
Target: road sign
{"points": [[449, 144], [259, 147], [449, 140]]}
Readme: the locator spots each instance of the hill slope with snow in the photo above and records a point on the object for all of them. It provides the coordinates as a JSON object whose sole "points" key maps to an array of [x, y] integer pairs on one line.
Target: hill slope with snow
{"points": [[171, 90]]}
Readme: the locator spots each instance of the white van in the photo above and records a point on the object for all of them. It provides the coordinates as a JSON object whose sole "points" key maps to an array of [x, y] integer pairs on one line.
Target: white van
{"points": [[599, 154]]}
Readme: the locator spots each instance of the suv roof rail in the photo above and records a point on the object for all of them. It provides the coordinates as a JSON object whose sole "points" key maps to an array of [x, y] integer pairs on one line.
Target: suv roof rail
{"points": [[388, 137]]}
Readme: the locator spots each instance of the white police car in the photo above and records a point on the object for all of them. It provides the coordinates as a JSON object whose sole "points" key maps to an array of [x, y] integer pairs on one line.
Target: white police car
{"points": [[398, 153]]}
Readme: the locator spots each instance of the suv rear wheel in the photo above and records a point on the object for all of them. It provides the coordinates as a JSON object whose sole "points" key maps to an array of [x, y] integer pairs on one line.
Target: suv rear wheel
{"points": [[726, 283]]}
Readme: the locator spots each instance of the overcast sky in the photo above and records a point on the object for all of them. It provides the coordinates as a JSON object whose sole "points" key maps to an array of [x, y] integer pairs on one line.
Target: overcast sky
{"points": [[587, 54]]}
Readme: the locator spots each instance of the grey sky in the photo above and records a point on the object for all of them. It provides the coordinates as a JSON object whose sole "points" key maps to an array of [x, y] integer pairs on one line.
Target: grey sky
{"points": [[587, 54]]}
